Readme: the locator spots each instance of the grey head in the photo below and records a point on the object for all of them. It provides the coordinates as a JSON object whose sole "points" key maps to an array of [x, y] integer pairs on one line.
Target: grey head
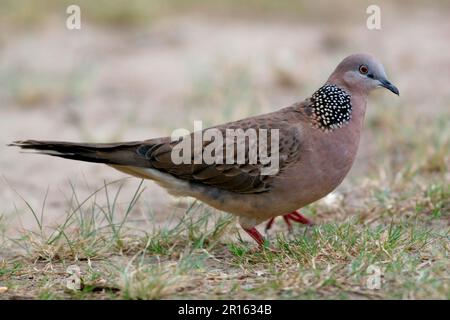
{"points": [[361, 73]]}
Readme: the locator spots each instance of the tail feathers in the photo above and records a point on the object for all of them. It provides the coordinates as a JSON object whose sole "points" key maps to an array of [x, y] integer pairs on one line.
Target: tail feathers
{"points": [[108, 153]]}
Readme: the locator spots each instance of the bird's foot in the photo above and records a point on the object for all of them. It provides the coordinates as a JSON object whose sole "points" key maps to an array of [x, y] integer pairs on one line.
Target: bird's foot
{"points": [[288, 218], [293, 216], [256, 235], [259, 238]]}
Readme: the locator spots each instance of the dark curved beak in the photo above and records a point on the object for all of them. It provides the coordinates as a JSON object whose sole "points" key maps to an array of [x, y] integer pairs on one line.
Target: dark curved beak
{"points": [[386, 84]]}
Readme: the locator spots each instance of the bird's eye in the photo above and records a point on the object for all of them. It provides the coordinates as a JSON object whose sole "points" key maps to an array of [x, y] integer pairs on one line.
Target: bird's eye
{"points": [[363, 69]]}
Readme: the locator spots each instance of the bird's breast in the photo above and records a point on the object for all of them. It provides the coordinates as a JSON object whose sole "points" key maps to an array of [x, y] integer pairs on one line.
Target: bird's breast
{"points": [[323, 163]]}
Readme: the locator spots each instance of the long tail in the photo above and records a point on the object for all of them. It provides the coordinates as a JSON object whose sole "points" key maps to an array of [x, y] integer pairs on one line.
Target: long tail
{"points": [[123, 153]]}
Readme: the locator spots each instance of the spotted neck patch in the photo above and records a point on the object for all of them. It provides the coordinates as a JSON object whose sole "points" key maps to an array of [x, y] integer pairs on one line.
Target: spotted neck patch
{"points": [[331, 107]]}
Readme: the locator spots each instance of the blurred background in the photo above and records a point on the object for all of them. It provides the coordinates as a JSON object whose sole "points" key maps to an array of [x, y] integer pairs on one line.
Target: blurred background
{"points": [[140, 69]]}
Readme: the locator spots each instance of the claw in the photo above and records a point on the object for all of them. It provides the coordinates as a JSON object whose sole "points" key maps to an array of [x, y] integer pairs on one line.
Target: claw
{"points": [[297, 217], [293, 216], [254, 233], [288, 218]]}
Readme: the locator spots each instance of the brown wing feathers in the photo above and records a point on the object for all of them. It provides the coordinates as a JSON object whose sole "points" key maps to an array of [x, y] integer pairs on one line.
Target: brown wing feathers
{"points": [[156, 154]]}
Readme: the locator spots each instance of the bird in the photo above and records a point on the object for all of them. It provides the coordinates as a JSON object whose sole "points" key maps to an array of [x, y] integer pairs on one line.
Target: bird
{"points": [[318, 140]]}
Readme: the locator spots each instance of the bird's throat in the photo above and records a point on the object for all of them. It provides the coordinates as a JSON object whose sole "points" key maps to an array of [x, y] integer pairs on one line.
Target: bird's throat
{"points": [[331, 107]]}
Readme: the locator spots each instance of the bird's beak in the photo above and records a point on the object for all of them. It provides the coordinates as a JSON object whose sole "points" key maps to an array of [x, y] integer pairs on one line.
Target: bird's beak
{"points": [[386, 84]]}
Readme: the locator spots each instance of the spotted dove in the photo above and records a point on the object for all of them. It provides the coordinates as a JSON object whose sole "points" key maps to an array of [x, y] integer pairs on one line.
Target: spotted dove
{"points": [[318, 141]]}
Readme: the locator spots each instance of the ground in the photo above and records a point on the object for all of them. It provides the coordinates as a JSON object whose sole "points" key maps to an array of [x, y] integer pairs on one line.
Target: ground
{"points": [[81, 231]]}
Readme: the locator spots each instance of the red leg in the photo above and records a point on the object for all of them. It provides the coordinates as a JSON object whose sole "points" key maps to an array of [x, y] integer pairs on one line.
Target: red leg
{"points": [[298, 217], [270, 223], [256, 236], [287, 220], [288, 217]]}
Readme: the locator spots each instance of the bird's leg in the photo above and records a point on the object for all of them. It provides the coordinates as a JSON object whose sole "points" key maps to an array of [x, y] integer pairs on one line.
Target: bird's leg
{"points": [[288, 217], [298, 217], [288, 222], [270, 223], [254, 233]]}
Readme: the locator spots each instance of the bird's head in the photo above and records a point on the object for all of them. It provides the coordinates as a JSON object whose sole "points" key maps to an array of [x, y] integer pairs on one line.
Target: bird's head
{"points": [[361, 72]]}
